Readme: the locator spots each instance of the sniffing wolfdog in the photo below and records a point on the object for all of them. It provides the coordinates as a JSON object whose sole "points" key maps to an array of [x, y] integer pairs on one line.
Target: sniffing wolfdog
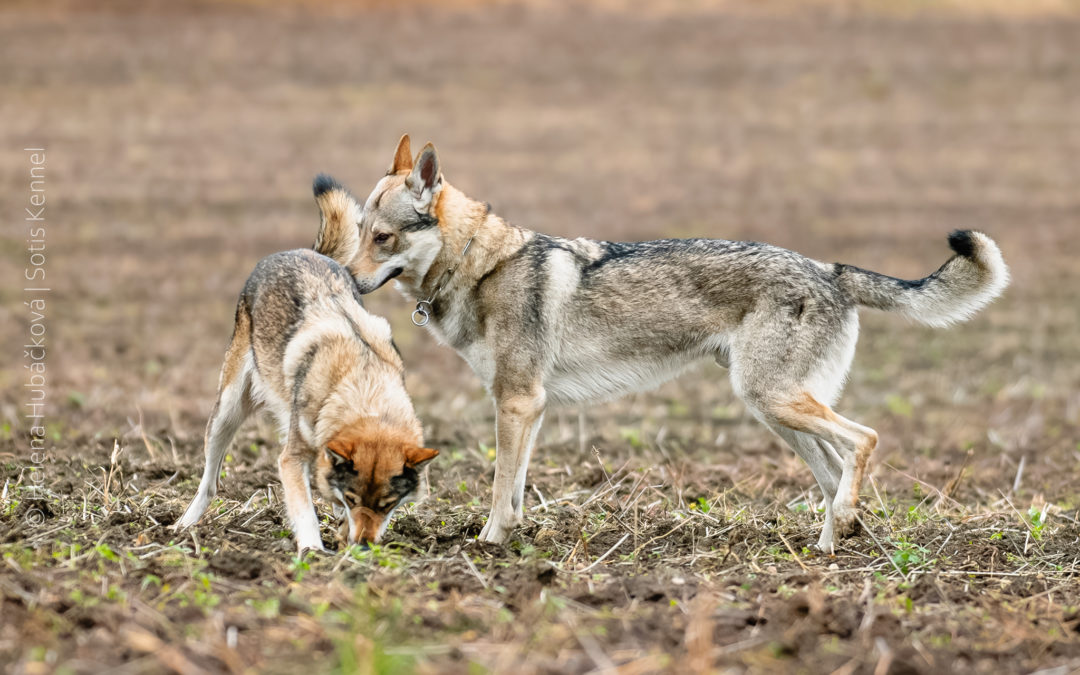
{"points": [[547, 320], [304, 349]]}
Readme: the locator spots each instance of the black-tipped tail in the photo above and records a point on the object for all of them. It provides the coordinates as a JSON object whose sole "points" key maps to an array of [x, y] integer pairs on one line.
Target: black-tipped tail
{"points": [[966, 283], [339, 236], [962, 242]]}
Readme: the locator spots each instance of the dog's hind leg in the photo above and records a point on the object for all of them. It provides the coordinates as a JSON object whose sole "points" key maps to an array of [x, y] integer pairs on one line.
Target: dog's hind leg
{"points": [[854, 442], [233, 406], [783, 370], [816, 454], [832, 458]]}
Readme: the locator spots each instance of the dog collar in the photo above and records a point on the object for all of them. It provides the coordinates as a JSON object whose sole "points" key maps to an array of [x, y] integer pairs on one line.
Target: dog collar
{"points": [[424, 308], [422, 314]]}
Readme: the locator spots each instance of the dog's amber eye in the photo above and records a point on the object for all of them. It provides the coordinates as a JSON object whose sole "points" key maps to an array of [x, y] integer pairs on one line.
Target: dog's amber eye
{"points": [[381, 238]]}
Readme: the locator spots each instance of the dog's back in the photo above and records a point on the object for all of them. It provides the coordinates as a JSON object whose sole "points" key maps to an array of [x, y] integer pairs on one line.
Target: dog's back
{"points": [[289, 294], [311, 337]]}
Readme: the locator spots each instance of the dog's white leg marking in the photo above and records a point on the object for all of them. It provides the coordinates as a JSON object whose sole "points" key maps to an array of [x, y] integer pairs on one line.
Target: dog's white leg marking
{"points": [[293, 466], [518, 499], [515, 419], [835, 466], [814, 453], [231, 409]]}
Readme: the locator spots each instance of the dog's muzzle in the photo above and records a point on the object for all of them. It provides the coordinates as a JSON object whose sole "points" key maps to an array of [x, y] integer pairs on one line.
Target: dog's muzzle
{"points": [[396, 273]]}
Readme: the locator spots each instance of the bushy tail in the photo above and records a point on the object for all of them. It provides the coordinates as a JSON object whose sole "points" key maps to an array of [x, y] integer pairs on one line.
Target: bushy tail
{"points": [[339, 232], [966, 283]]}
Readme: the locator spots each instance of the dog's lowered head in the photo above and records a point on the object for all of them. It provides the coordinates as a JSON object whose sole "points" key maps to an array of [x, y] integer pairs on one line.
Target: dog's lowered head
{"points": [[366, 474]]}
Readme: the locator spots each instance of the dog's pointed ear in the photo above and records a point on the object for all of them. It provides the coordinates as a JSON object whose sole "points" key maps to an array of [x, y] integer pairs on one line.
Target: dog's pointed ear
{"points": [[337, 453], [415, 457], [402, 157], [425, 181]]}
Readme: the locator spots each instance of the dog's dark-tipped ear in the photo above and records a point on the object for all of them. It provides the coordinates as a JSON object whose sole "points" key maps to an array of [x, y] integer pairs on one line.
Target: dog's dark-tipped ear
{"points": [[402, 157], [337, 453], [416, 456], [425, 181]]}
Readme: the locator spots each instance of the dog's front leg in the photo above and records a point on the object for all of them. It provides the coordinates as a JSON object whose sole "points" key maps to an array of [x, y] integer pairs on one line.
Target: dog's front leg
{"points": [[517, 417], [518, 499], [294, 467]]}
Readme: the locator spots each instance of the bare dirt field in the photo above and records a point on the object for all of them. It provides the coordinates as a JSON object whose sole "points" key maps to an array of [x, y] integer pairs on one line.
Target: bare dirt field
{"points": [[666, 531]]}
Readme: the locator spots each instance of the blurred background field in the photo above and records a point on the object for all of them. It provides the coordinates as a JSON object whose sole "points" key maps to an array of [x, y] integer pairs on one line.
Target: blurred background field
{"points": [[181, 141]]}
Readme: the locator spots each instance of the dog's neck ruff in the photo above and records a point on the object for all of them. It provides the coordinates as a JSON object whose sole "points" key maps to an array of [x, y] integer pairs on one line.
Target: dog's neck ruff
{"points": [[422, 314]]}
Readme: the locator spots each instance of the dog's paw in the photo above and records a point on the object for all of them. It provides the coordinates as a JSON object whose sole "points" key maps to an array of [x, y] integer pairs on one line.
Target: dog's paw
{"points": [[186, 521], [845, 521], [311, 547], [495, 534], [192, 514], [824, 547]]}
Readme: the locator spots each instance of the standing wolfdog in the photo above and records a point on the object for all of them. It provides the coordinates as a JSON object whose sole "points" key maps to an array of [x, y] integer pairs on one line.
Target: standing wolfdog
{"points": [[547, 320], [304, 349]]}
